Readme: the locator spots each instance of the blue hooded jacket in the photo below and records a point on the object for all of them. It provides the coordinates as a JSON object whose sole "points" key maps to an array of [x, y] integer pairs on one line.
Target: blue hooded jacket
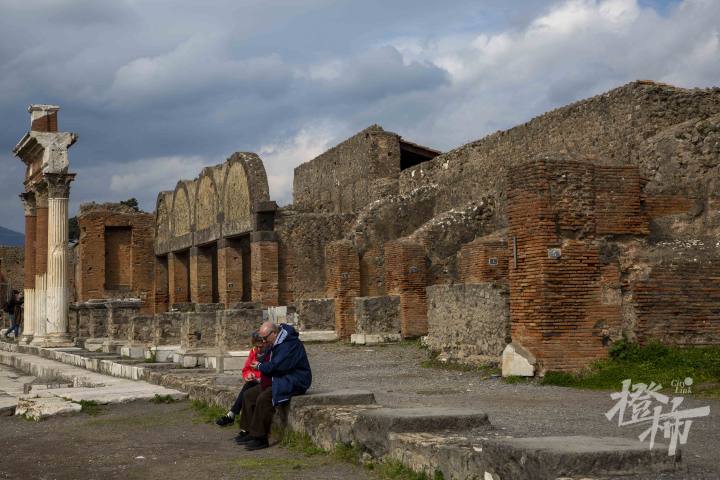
{"points": [[288, 366]]}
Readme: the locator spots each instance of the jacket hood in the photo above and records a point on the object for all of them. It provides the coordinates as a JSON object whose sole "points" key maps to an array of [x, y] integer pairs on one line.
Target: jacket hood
{"points": [[287, 333]]}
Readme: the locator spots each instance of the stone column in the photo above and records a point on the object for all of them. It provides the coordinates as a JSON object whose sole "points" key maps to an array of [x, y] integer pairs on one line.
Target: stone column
{"points": [[57, 260], [28, 199], [41, 256]]}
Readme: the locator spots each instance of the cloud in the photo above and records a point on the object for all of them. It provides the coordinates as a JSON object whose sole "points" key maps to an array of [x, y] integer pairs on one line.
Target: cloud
{"points": [[157, 90]]}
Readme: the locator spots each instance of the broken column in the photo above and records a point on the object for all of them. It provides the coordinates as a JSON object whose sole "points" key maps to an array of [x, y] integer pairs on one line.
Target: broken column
{"points": [[28, 199], [44, 151]]}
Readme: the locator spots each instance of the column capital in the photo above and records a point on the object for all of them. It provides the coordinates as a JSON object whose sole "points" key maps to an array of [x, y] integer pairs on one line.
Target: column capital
{"points": [[59, 184], [40, 192], [28, 199]]}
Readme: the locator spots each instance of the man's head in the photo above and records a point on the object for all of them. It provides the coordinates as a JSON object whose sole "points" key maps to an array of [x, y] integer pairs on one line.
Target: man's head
{"points": [[268, 331]]}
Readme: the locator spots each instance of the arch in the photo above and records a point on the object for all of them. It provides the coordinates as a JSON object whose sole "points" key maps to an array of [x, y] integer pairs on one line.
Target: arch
{"points": [[181, 214], [206, 201], [237, 204], [162, 216]]}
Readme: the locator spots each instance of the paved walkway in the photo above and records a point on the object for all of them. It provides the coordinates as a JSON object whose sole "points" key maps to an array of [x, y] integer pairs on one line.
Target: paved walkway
{"points": [[394, 373]]}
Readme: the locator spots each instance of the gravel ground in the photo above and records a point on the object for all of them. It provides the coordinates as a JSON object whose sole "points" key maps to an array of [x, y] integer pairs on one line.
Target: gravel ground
{"points": [[142, 440], [394, 374]]}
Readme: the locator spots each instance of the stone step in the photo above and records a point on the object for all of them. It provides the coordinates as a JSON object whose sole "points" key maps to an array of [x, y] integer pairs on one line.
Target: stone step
{"points": [[460, 456], [373, 426]]}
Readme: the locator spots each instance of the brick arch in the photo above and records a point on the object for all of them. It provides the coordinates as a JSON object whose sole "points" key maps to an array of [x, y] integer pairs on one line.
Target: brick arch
{"points": [[207, 201], [181, 217]]}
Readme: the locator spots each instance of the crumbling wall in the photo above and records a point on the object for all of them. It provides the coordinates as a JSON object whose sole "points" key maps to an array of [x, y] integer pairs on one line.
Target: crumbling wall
{"points": [[468, 323], [347, 177], [302, 238], [316, 314], [115, 256], [11, 270], [615, 128], [378, 314]]}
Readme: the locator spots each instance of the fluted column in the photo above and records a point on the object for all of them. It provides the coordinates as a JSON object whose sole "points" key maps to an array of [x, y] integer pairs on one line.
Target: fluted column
{"points": [[57, 260], [28, 199], [41, 244]]}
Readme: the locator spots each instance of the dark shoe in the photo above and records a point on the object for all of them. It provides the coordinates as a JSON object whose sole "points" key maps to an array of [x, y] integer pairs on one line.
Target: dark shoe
{"points": [[244, 439], [257, 444], [224, 421], [241, 434]]}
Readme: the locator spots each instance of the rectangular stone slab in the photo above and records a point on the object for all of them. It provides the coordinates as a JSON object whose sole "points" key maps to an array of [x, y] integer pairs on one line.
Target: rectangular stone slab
{"points": [[372, 427], [335, 397]]}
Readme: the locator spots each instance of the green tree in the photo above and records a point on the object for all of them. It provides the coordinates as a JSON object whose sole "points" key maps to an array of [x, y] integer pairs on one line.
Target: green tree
{"points": [[132, 203]]}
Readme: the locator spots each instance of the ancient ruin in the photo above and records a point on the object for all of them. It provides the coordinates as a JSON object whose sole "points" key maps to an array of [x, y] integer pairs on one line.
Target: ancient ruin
{"points": [[549, 241], [47, 188]]}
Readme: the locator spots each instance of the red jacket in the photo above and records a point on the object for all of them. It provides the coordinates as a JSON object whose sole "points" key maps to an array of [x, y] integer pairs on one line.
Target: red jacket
{"points": [[247, 369]]}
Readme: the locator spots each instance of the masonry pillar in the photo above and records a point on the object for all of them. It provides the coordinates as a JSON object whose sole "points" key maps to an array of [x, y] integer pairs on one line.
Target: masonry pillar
{"points": [[230, 271], [57, 261], [178, 278], [264, 268], [28, 199], [41, 257], [201, 276], [406, 276], [342, 282], [160, 278]]}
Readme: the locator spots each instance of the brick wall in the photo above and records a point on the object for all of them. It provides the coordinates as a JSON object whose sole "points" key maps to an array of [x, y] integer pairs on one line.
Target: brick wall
{"points": [[342, 277], [483, 261], [264, 266], [230, 271], [406, 276], [12, 265], [179, 277], [202, 279], [561, 302], [160, 277], [115, 256]]}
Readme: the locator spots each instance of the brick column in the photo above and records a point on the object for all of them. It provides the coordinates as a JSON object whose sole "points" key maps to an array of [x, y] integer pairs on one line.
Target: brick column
{"points": [[28, 199], [57, 261], [342, 282], [230, 271], [41, 249], [178, 272], [200, 276], [161, 290], [264, 268], [406, 276]]}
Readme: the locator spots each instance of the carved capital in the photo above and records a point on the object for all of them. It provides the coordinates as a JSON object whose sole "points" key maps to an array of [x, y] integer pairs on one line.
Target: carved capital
{"points": [[58, 184], [28, 199], [40, 192]]}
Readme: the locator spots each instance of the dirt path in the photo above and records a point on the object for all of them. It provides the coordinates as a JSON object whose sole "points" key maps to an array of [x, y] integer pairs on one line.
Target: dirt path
{"points": [[143, 440]]}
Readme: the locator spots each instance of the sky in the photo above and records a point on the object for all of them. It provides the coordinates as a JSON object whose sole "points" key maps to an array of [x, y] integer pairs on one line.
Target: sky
{"points": [[158, 89]]}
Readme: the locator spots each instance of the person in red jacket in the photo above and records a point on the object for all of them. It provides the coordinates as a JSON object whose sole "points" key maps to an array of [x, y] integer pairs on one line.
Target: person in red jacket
{"points": [[252, 377]]}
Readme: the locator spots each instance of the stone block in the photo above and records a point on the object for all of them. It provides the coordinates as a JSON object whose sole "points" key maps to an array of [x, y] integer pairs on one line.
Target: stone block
{"points": [[374, 338], [335, 397], [132, 351], [316, 314], [377, 314], [162, 353], [208, 307], [234, 328], [517, 361], [38, 408], [468, 323], [372, 427], [319, 336], [326, 425]]}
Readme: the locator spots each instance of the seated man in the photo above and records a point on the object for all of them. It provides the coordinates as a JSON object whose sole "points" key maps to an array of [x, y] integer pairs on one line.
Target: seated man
{"points": [[287, 365]]}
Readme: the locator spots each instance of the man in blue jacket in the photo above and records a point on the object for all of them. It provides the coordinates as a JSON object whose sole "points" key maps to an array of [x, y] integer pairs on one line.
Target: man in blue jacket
{"points": [[286, 373]]}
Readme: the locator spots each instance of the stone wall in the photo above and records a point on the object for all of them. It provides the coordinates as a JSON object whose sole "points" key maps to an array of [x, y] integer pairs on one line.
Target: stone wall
{"points": [[377, 314], [316, 314], [11, 270], [623, 126], [302, 238], [468, 323], [115, 254]]}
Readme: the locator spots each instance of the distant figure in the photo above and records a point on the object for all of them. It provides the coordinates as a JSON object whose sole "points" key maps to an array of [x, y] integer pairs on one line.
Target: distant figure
{"points": [[13, 309], [250, 375], [285, 373]]}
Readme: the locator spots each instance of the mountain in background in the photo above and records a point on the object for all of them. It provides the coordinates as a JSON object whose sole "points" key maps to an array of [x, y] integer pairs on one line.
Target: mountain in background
{"points": [[11, 237]]}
